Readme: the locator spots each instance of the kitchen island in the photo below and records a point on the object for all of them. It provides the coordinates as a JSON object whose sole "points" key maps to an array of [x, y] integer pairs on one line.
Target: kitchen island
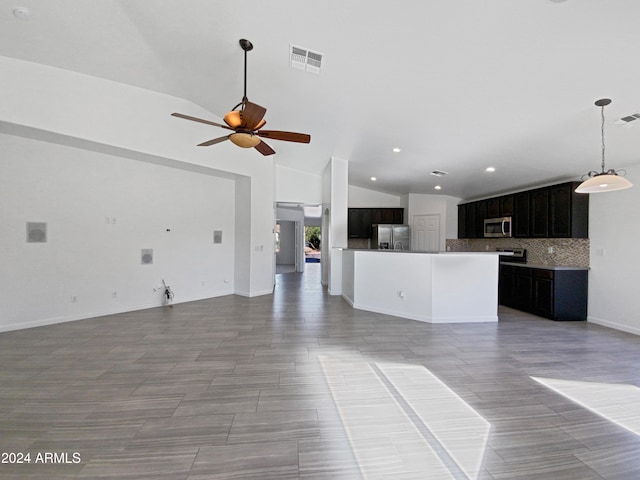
{"points": [[440, 287]]}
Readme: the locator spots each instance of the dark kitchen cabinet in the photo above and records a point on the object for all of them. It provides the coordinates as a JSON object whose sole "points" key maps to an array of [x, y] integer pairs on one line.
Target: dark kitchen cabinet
{"points": [[539, 200], [522, 289], [462, 221], [481, 214], [506, 294], [493, 208], [359, 220], [506, 206], [398, 216], [521, 215], [470, 221], [500, 206], [542, 299], [568, 212], [549, 212], [387, 215], [554, 294]]}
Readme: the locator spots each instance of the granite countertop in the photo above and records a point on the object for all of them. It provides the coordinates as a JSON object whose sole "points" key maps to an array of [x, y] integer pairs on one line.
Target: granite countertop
{"points": [[544, 267], [384, 250]]}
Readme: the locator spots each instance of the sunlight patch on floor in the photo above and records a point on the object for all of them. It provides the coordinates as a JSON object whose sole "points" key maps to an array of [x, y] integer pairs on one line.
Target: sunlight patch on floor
{"points": [[403, 422], [617, 402]]}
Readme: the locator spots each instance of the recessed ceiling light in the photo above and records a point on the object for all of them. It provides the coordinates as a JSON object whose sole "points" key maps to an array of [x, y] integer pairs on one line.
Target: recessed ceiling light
{"points": [[22, 13], [397, 150], [373, 179], [438, 187], [490, 169]]}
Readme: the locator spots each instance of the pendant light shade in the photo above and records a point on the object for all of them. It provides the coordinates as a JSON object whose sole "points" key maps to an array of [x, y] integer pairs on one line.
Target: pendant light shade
{"points": [[605, 180]]}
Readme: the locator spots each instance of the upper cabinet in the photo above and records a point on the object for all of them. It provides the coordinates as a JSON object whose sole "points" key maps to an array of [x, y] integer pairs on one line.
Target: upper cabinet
{"points": [[520, 226], [539, 221], [361, 219], [568, 212], [549, 212]]}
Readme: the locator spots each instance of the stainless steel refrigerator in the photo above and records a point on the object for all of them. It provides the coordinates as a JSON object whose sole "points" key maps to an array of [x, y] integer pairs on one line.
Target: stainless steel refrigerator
{"points": [[390, 237]]}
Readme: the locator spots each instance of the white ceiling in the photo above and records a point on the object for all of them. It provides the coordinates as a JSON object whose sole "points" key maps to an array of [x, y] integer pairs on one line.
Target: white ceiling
{"points": [[459, 85]]}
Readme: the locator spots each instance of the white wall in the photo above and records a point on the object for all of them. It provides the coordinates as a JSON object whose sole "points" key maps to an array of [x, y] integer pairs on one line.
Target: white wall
{"points": [[334, 226], [242, 262], [614, 229], [101, 210], [102, 116], [363, 198], [297, 186]]}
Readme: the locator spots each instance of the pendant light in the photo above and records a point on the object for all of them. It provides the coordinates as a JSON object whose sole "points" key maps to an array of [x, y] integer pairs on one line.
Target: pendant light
{"points": [[606, 180]]}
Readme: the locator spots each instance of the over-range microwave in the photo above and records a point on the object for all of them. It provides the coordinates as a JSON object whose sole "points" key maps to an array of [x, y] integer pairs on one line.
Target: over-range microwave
{"points": [[497, 227]]}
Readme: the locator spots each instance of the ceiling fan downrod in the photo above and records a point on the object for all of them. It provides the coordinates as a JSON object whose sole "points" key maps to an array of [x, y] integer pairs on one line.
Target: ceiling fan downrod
{"points": [[247, 46]]}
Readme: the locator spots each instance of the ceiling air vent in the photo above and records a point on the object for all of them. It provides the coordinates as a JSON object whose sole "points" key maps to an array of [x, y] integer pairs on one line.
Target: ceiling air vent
{"points": [[306, 60], [628, 120], [438, 173]]}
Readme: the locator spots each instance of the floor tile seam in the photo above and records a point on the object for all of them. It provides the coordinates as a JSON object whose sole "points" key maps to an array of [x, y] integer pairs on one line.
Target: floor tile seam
{"points": [[193, 462], [619, 429]]}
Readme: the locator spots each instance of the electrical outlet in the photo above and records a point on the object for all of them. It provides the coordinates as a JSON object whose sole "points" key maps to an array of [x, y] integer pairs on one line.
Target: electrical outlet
{"points": [[550, 250]]}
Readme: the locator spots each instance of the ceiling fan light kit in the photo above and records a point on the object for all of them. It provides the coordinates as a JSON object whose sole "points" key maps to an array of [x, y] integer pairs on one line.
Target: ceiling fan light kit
{"points": [[233, 119], [245, 120], [605, 180], [244, 140]]}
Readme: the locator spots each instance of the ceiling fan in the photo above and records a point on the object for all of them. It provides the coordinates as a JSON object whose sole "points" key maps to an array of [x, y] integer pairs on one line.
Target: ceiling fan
{"points": [[246, 120]]}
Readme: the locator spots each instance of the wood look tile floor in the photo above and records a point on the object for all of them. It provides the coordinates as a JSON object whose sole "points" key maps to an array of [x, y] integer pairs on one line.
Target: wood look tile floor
{"points": [[298, 385]]}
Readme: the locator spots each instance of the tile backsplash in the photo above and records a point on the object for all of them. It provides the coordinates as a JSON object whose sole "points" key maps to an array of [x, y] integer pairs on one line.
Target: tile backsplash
{"points": [[568, 252], [358, 243]]}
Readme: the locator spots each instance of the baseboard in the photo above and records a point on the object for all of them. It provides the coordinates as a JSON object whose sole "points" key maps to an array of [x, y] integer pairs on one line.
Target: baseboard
{"points": [[614, 325], [42, 322], [425, 318], [253, 294], [349, 300]]}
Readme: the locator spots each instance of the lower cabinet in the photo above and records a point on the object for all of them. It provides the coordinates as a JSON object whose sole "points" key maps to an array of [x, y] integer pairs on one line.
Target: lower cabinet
{"points": [[554, 294]]}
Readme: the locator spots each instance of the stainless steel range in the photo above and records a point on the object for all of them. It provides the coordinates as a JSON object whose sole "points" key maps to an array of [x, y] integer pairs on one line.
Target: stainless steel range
{"points": [[515, 255]]}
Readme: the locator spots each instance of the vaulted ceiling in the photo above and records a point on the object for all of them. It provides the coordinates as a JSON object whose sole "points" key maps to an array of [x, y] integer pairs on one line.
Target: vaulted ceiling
{"points": [[458, 86]]}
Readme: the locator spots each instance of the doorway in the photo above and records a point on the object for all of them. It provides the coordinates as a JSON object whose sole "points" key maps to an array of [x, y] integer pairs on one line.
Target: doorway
{"points": [[312, 242], [425, 233], [286, 246]]}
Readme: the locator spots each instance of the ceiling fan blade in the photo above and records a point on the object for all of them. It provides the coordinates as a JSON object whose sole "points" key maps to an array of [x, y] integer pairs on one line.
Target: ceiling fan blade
{"points": [[214, 141], [201, 120], [264, 149], [251, 115], [286, 136]]}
